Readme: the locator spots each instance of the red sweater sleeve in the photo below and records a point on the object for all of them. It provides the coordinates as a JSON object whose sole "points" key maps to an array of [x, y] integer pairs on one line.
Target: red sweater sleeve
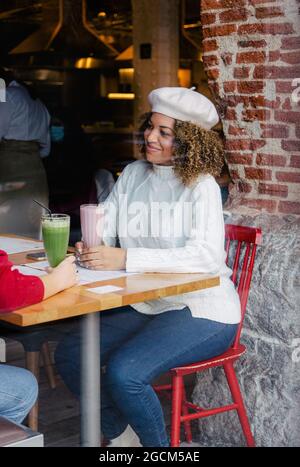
{"points": [[16, 289]]}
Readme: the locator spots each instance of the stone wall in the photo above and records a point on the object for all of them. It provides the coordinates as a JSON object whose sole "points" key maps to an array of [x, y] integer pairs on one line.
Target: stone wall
{"points": [[269, 373]]}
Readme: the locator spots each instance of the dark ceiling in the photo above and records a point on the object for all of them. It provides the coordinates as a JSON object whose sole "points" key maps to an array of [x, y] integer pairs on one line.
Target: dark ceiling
{"points": [[112, 19]]}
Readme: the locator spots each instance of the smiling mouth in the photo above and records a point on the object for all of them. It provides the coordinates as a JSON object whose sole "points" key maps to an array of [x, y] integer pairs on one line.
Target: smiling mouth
{"points": [[152, 149]]}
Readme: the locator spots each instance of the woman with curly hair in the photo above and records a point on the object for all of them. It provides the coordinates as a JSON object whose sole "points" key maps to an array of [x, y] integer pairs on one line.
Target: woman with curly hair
{"points": [[166, 211]]}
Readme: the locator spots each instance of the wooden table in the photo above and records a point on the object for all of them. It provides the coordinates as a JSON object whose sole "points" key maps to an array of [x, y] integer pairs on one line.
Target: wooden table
{"points": [[78, 301]]}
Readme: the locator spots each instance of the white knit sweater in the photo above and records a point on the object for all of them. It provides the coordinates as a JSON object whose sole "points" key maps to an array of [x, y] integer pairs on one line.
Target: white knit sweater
{"points": [[168, 227]]}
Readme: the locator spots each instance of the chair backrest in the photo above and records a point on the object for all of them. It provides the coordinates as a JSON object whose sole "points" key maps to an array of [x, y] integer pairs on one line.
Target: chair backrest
{"points": [[241, 243]]}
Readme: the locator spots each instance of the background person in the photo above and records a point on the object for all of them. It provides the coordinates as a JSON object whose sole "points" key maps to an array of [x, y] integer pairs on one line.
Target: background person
{"points": [[24, 139]]}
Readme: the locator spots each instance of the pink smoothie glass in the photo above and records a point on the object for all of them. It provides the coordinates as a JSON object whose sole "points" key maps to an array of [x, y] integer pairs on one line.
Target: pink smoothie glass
{"points": [[92, 224]]}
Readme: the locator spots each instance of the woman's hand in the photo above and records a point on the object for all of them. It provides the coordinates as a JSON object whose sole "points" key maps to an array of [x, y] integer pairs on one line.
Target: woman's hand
{"points": [[101, 257], [65, 273], [60, 278]]}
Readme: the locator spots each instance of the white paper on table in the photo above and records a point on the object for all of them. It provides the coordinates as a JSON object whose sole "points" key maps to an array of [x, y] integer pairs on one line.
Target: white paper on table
{"points": [[41, 265], [29, 271], [104, 289], [86, 276], [18, 245]]}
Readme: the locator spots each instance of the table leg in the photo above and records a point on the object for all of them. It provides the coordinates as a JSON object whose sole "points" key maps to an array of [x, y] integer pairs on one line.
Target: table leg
{"points": [[90, 381]]}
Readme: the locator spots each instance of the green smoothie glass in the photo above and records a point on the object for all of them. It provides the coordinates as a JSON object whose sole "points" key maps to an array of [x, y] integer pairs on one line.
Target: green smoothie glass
{"points": [[56, 233]]}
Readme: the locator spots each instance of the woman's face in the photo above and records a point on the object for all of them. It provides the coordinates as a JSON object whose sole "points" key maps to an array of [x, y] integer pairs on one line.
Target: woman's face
{"points": [[159, 138]]}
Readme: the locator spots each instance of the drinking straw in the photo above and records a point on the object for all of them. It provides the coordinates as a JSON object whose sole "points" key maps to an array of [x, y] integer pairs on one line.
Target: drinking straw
{"points": [[47, 209]]}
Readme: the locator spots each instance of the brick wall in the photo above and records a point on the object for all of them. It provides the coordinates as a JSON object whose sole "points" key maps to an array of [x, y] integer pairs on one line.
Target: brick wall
{"points": [[252, 58]]}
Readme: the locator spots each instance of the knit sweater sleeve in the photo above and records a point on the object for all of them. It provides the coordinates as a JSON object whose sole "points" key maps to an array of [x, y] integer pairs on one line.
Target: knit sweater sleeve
{"points": [[16, 289], [204, 247]]}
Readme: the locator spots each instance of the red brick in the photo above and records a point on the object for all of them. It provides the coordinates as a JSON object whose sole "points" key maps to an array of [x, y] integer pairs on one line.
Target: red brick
{"points": [[258, 174], [230, 114], [239, 158], [238, 14], [271, 160], [274, 131], [298, 131], [244, 144], [241, 72], [234, 100], [227, 58], [260, 204], [250, 115], [295, 161], [210, 45], [288, 117], [210, 60], [275, 72], [250, 87], [290, 43], [257, 143], [254, 44], [221, 4], [287, 104], [273, 189], [251, 57], [291, 177], [208, 18], [213, 73], [274, 55], [236, 131], [284, 87], [293, 58], [266, 28], [229, 86], [268, 12], [259, 2], [215, 31], [238, 145], [244, 187], [289, 207], [290, 145], [234, 174], [261, 101]]}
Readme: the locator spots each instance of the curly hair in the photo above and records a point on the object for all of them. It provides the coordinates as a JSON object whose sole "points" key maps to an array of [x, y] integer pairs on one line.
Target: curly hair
{"points": [[196, 151]]}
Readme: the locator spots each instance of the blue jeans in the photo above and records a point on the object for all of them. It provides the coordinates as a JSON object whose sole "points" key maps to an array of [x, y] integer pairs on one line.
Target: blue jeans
{"points": [[18, 392], [135, 349]]}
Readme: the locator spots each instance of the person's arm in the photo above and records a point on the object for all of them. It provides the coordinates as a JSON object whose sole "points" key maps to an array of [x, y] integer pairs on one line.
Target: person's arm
{"points": [[204, 249], [60, 278], [18, 290]]}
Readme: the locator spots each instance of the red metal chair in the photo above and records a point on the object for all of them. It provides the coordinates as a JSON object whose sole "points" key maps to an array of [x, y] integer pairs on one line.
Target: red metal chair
{"points": [[241, 261]]}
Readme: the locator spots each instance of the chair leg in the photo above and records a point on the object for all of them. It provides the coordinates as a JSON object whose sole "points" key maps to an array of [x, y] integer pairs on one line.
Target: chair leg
{"points": [[48, 365], [176, 410], [187, 423], [238, 399], [32, 364]]}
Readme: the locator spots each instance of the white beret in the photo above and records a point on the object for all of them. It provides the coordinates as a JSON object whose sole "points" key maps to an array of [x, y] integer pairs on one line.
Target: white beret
{"points": [[184, 104]]}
